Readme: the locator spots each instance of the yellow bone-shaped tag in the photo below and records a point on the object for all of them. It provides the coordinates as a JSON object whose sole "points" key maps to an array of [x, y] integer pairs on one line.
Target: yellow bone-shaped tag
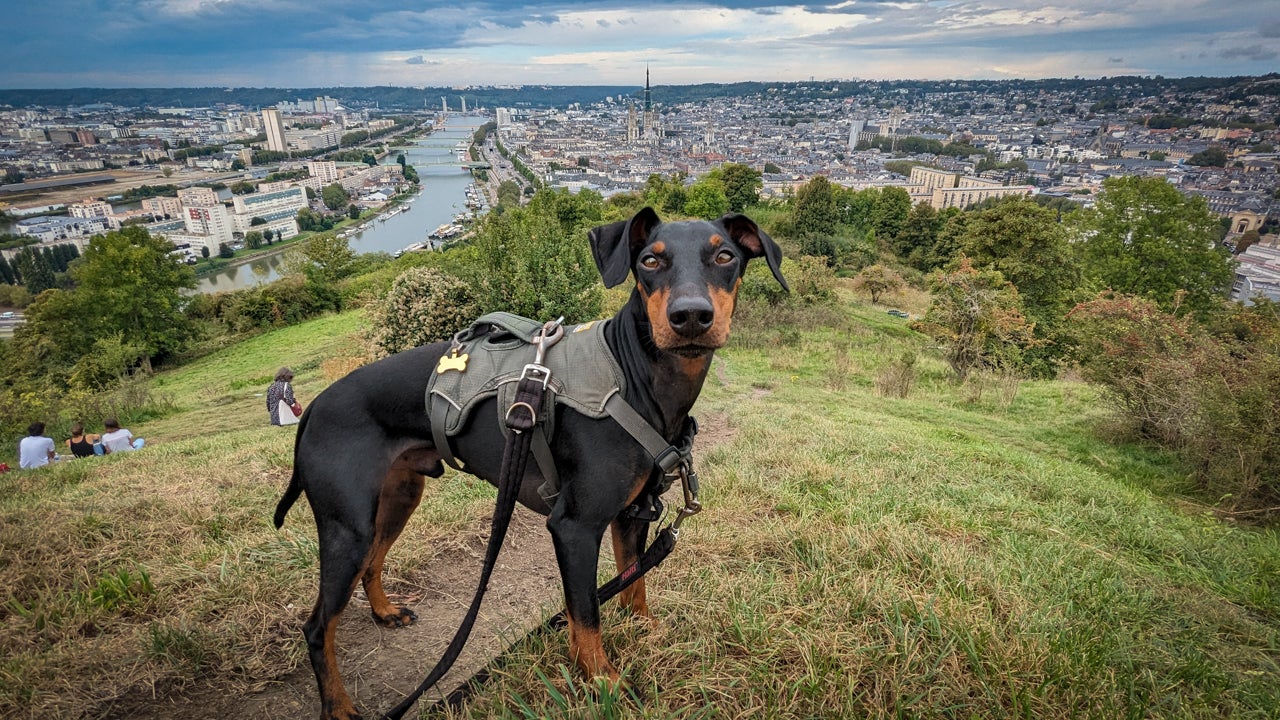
{"points": [[452, 362]]}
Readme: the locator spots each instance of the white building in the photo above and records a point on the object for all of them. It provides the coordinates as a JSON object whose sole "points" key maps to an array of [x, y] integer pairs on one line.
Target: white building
{"points": [[274, 125]]}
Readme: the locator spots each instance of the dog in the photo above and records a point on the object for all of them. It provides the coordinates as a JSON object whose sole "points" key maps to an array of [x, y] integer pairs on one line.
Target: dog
{"points": [[364, 446]]}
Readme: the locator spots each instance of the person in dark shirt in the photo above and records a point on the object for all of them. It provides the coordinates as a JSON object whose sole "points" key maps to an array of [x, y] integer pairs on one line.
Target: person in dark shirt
{"points": [[81, 444]]}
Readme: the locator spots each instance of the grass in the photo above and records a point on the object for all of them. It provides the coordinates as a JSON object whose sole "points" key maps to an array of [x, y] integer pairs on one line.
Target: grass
{"points": [[860, 555]]}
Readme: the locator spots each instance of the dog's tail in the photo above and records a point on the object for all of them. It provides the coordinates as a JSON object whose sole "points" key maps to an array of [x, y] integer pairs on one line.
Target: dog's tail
{"points": [[292, 492]]}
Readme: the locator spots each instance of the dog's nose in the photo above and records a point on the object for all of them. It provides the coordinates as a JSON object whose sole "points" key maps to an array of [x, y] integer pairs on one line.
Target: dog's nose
{"points": [[691, 315]]}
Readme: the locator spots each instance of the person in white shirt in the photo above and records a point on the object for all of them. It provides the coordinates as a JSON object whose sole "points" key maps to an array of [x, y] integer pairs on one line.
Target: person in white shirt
{"points": [[35, 450], [118, 439]]}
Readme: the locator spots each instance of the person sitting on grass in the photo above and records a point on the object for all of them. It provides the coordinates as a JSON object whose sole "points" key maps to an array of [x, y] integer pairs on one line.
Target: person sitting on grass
{"points": [[118, 439], [35, 450], [82, 444]]}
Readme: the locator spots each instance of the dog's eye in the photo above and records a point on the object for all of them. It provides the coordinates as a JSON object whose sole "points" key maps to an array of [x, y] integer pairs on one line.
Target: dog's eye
{"points": [[649, 262], [724, 257]]}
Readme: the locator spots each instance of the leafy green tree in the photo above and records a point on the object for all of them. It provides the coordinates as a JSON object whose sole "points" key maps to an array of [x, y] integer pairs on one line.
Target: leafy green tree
{"points": [[772, 169], [814, 211], [326, 258], [423, 305], [1212, 156], [134, 286], [1025, 242], [35, 270], [667, 195], [706, 199], [204, 252], [334, 196], [6, 272], [889, 215], [255, 221], [528, 262], [918, 236], [244, 187], [742, 184], [267, 235], [353, 211], [253, 239], [1144, 237]]}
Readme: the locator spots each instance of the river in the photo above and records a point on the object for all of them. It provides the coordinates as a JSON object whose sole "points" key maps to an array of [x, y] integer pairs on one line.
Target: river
{"points": [[442, 195]]}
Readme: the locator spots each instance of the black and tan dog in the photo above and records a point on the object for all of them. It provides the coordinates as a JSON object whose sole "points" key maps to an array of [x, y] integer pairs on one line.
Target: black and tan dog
{"points": [[365, 445]]}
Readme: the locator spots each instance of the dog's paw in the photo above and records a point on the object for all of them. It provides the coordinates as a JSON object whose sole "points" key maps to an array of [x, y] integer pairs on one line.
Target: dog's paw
{"points": [[403, 617]]}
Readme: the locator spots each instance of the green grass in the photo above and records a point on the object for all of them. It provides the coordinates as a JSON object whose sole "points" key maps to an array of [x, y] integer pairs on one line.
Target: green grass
{"points": [[944, 555]]}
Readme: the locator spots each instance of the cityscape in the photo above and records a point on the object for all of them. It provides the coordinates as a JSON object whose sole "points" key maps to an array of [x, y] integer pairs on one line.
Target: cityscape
{"points": [[948, 143]]}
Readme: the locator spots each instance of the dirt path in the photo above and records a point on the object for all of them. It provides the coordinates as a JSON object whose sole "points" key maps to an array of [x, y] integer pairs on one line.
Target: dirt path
{"points": [[380, 666]]}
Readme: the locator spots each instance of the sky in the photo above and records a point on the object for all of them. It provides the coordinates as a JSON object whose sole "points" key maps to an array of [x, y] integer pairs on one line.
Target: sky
{"points": [[322, 43]]}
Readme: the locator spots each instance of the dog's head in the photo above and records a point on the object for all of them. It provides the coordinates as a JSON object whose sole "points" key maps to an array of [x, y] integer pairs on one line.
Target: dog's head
{"points": [[687, 273]]}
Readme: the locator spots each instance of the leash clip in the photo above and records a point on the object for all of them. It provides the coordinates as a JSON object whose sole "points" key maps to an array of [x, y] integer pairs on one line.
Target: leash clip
{"points": [[689, 483]]}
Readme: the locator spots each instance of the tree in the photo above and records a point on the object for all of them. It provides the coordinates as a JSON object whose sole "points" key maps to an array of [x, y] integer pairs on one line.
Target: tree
{"points": [[919, 234], [225, 252], [1212, 156], [334, 196], [244, 187], [353, 211], [814, 210], [326, 258], [1144, 237], [253, 239], [255, 221], [267, 235], [706, 199], [742, 185], [134, 285], [771, 169], [976, 316], [204, 252], [34, 268], [667, 195], [890, 213], [875, 280]]}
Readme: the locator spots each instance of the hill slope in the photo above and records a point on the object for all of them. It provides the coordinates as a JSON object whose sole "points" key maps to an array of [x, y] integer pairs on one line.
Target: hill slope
{"points": [[860, 556]]}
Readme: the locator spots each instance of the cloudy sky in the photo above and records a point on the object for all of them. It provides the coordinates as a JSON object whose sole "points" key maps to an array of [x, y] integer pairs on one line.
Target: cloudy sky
{"points": [[298, 43]]}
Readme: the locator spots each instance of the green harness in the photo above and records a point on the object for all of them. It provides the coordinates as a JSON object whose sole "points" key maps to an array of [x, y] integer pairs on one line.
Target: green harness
{"points": [[487, 360]]}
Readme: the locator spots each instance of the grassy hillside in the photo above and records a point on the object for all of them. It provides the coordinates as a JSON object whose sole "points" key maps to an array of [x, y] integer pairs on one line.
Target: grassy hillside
{"points": [[950, 554]]}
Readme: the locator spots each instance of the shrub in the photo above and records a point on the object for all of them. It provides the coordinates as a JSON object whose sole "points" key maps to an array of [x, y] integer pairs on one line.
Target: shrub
{"points": [[423, 305], [1209, 395], [876, 280], [896, 379], [977, 318]]}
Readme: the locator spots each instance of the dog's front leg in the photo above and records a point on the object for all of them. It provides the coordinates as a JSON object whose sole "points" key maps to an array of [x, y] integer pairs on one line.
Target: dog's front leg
{"points": [[577, 547], [628, 540]]}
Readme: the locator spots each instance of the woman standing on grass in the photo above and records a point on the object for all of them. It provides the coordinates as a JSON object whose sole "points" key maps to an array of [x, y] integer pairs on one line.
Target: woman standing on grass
{"points": [[283, 408]]}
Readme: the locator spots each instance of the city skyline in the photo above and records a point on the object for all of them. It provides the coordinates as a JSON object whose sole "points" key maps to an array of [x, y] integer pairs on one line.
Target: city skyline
{"points": [[289, 43]]}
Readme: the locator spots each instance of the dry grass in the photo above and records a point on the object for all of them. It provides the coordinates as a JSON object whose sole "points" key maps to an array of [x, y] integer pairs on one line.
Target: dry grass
{"points": [[860, 556]]}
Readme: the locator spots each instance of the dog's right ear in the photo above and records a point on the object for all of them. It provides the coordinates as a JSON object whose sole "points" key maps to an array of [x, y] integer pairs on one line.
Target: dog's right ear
{"points": [[615, 246]]}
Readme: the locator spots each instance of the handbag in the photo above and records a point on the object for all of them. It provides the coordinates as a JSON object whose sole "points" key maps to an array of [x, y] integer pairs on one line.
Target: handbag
{"points": [[296, 408], [284, 413]]}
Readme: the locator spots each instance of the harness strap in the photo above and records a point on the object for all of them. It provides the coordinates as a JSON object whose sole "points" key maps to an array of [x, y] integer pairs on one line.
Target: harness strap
{"points": [[665, 455], [439, 415]]}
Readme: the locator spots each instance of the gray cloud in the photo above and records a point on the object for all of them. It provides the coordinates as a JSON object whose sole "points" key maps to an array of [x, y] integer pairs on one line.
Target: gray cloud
{"points": [[1115, 60], [1251, 52], [415, 60], [1270, 30]]}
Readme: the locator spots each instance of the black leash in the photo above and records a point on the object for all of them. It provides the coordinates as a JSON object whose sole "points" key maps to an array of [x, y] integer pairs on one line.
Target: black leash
{"points": [[520, 419]]}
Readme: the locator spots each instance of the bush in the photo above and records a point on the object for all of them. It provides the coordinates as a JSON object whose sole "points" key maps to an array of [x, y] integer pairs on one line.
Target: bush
{"points": [[1211, 396], [423, 305]]}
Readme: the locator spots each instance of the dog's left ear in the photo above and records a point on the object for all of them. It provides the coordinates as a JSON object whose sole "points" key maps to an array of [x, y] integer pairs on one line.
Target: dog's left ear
{"points": [[749, 236], [614, 246]]}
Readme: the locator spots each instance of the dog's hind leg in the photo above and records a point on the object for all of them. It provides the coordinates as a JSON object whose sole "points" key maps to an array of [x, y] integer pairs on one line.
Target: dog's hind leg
{"points": [[342, 557], [401, 493]]}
